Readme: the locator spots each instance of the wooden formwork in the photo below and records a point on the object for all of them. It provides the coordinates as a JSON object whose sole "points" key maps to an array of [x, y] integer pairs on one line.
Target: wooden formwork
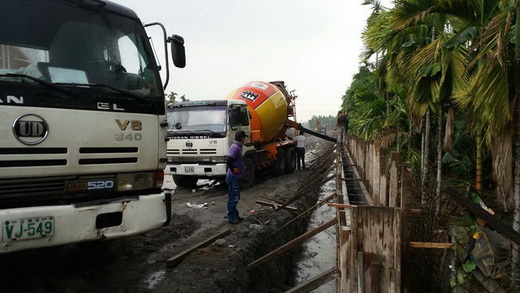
{"points": [[371, 250], [370, 256]]}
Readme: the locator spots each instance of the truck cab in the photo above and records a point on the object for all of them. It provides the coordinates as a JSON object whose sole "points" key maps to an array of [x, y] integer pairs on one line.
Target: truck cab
{"points": [[200, 134], [82, 124]]}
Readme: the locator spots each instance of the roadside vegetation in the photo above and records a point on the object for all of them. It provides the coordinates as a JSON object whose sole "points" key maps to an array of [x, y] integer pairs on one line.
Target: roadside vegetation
{"points": [[440, 83]]}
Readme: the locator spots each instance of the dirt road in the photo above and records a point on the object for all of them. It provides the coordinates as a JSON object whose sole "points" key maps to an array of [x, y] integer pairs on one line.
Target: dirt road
{"points": [[139, 263]]}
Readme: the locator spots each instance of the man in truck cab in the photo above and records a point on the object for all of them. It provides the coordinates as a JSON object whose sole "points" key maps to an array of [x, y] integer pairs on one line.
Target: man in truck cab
{"points": [[235, 171]]}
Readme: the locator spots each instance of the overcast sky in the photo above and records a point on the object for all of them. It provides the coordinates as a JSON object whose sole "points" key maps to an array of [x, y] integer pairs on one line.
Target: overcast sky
{"points": [[314, 46]]}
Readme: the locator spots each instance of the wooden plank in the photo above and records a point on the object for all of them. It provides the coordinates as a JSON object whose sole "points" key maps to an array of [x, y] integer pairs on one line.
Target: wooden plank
{"points": [[305, 213], [315, 282], [435, 245], [339, 205], [479, 212], [351, 179], [173, 261], [279, 201], [276, 205], [273, 254]]}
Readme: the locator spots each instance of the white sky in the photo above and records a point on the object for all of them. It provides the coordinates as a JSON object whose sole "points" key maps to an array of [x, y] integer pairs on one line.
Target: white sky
{"points": [[314, 46]]}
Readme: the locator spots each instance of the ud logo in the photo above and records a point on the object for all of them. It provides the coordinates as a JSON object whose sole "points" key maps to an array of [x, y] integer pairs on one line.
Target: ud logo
{"points": [[30, 129], [189, 144]]}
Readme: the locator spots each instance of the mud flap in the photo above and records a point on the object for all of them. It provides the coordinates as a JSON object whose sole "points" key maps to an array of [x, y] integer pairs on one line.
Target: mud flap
{"points": [[168, 203]]}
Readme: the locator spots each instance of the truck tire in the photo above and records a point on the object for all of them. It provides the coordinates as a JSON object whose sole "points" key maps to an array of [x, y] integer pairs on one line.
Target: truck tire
{"points": [[185, 181], [280, 164], [249, 176], [291, 160]]}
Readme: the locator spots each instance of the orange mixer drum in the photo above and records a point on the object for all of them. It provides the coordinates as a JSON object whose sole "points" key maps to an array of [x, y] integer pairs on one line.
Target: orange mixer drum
{"points": [[268, 108]]}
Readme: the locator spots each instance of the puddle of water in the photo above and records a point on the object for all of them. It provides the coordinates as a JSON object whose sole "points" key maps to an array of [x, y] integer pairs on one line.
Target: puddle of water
{"points": [[154, 279], [319, 252]]}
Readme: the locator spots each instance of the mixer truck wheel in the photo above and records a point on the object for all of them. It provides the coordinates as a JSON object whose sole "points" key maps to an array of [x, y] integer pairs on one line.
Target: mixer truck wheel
{"points": [[291, 160], [249, 177], [280, 164], [185, 181]]}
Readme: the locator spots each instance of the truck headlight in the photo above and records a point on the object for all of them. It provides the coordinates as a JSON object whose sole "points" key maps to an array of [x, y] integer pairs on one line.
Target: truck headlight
{"points": [[135, 181], [219, 159]]}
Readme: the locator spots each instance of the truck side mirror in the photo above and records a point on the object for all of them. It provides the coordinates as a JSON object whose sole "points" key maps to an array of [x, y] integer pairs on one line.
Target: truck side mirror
{"points": [[178, 52]]}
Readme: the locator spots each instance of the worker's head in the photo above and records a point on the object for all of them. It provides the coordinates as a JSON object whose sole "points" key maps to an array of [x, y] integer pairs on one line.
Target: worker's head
{"points": [[240, 136]]}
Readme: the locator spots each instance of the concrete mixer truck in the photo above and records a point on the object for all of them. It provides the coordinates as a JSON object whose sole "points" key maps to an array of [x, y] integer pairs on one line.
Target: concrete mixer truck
{"points": [[201, 132]]}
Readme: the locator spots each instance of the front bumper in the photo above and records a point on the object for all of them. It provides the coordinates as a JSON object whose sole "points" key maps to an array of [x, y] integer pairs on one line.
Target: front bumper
{"points": [[198, 170], [74, 224]]}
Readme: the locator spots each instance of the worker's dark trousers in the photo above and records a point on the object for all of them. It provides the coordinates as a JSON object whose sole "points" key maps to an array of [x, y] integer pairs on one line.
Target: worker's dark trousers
{"points": [[300, 157], [233, 197]]}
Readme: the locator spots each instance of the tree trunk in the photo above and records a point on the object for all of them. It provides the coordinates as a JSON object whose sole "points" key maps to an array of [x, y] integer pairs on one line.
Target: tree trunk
{"points": [[425, 156], [516, 140], [515, 274], [478, 175], [439, 163]]}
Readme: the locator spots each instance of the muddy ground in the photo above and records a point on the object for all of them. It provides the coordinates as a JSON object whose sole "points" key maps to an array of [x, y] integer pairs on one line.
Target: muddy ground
{"points": [[140, 263]]}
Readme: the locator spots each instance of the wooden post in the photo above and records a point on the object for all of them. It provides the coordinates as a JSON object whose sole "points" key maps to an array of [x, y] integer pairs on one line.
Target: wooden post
{"points": [[383, 180], [394, 179], [360, 272], [406, 196], [375, 278], [376, 168]]}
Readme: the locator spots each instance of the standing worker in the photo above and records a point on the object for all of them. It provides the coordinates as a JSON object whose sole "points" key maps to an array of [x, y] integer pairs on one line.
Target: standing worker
{"points": [[300, 150], [345, 122], [235, 172], [340, 125]]}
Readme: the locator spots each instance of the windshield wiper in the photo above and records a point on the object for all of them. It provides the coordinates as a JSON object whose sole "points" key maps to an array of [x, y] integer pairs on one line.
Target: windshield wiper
{"points": [[105, 86], [213, 133], [40, 81]]}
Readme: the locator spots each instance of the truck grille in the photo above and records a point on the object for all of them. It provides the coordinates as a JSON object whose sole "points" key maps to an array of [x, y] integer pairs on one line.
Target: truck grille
{"points": [[32, 162], [35, 187], [11, 157], [108, 150], [192, 152]]}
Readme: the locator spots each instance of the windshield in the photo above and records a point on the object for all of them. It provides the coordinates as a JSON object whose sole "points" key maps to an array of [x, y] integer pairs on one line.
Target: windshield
{"points": [[70, 45], [197, 120]]}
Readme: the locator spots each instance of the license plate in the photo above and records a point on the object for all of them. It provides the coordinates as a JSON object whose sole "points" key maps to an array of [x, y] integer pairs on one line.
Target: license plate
{"points": [[25, 229], [189, 169]]}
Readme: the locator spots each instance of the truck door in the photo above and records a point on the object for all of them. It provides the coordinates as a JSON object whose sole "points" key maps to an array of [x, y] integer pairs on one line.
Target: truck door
{"points": [[239, 120]]}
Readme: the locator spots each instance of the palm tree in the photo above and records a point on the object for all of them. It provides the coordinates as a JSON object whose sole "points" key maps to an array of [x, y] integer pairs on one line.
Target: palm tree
{"points": [[486, 26]]}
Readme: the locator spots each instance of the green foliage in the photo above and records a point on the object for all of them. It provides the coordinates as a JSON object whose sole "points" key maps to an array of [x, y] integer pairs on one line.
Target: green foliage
{"points": [[328, 121], [469, 266], [172, 98]]}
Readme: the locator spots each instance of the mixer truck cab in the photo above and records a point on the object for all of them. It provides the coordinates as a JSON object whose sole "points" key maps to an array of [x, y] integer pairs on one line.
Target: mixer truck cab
{"points": [[201, 132]]}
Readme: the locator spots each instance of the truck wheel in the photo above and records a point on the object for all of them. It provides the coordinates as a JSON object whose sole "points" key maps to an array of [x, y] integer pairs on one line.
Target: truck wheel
{"points": [[291, 160], [185, 181], [249, 176], [279, 165]]}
